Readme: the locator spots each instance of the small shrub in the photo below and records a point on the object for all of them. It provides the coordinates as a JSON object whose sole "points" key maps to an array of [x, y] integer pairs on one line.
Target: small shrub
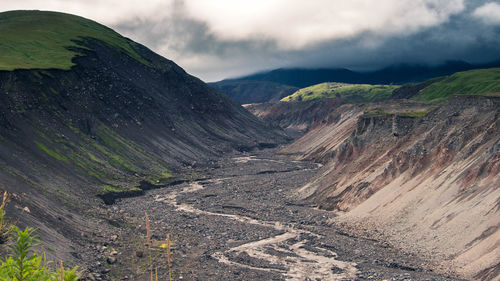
{"points": [[23, 263], [4, 227]]}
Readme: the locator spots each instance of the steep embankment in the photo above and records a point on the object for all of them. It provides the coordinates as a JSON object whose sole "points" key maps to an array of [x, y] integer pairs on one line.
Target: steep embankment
{"points": [[427, 180], [245, 92], [86, 112]]}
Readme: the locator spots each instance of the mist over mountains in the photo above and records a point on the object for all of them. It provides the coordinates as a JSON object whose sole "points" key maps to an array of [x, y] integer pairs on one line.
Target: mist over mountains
{"points": [[396, 74]]}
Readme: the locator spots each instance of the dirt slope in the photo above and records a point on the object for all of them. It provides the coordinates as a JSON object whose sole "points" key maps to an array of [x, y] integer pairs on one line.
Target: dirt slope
{"points": [[427, 184]]}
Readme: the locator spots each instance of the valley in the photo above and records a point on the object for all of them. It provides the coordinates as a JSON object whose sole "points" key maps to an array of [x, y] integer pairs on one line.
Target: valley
{"points": [[128, 166], [240, 222]]}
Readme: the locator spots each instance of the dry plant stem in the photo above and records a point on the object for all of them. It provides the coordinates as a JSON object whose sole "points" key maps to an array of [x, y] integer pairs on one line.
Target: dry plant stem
{"points": [[169, 258], [168, 249], [148, 237], [62, 279], [4, 200], [3, 232], [148, 233], [156, 273]]}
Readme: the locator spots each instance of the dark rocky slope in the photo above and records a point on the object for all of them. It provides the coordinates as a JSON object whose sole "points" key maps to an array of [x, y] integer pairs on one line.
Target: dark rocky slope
{"points": [[112, 124], [428, 183]]}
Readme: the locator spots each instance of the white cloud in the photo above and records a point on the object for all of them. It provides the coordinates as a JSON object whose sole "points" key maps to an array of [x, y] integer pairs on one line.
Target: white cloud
{"points": [[291, 23], [298, 23], [489, 13], [108, 12]]}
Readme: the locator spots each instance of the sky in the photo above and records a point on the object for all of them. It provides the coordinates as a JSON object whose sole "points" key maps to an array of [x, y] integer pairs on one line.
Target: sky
{"points": [[217, 39]]}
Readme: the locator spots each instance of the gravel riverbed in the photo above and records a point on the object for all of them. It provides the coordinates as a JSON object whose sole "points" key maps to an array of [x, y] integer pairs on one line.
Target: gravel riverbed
{"points": [[241, 222]]}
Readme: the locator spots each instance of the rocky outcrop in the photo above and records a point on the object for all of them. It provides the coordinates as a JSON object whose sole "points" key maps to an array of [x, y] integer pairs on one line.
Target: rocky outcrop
{"points": [[428, 184]]}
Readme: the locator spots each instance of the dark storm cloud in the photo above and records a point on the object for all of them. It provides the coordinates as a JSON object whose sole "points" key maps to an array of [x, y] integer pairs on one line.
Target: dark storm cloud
{"points": [[461, 38], [192, 44], [226, 38]]}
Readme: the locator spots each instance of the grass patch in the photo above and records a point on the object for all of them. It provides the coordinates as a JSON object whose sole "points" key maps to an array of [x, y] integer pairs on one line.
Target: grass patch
{"points": [[350, 93], [375, 112], [117, 189], [52, 153], [40, 39], [472, 82], [160, 176], [415, 114]]}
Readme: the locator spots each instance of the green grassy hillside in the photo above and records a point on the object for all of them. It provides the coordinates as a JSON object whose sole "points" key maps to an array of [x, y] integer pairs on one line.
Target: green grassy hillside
{"points": [[350, 93], [478, 81], [44, 47]]}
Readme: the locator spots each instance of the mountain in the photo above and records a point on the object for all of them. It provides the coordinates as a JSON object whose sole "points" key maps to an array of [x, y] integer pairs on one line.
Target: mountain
{"points": [[397, 74], [245, 92], [302, 77], [87, 116], [310, 106]]}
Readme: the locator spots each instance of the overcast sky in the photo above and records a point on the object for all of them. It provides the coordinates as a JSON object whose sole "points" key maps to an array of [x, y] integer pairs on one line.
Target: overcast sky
{"points": [[216, 39]]}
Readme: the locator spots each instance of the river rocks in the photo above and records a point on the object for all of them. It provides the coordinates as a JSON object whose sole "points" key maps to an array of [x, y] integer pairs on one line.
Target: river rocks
{"points": [[139, 253], [241, 224]]}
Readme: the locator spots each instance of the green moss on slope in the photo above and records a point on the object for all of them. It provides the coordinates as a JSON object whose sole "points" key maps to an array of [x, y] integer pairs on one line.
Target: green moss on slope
{"points": [[51, 152], [40, 40]]}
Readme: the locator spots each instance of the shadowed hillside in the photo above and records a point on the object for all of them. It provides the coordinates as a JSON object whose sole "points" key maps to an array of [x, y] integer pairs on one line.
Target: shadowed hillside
{"points": [[245, 92], [86, 113]]}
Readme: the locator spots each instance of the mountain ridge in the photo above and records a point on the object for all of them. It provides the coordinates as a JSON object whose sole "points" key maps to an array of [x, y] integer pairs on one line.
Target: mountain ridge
{"points": [[395, 74], [303, 77]]}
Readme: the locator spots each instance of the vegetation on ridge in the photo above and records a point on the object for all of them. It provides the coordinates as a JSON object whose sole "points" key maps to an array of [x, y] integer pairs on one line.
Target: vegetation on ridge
{"points": [[472, 82], [40, 39], [350, 93]]}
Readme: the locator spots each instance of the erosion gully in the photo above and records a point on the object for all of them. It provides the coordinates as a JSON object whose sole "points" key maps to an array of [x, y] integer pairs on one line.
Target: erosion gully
{"points": [[241, 222]]}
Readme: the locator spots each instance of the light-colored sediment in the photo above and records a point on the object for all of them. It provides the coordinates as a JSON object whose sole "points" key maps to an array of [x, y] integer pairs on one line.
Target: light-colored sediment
{"points": [[298, 263]]}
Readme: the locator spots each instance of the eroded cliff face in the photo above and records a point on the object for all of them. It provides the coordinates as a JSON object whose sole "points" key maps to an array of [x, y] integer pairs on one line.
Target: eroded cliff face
{"points": [[429, 184], [295, 118]]}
